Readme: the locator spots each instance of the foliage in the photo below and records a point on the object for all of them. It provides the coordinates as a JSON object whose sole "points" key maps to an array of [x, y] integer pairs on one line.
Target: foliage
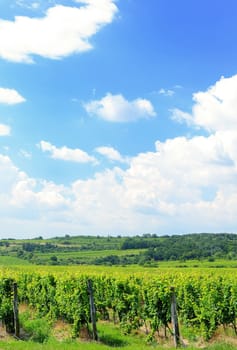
{"points": [[144, 250], [37, 329], [205, 300], [6, 309]]}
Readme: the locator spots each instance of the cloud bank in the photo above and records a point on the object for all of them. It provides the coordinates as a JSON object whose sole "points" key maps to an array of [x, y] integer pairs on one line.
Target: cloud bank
{"points": [[185, 185]]}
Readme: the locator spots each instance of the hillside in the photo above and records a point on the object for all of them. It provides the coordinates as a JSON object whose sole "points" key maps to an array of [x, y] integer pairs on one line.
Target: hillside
{"points": [[145, 249]]}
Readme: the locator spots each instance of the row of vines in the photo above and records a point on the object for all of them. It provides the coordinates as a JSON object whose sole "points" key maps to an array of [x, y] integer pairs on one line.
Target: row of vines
{"points": [[204, 301]]}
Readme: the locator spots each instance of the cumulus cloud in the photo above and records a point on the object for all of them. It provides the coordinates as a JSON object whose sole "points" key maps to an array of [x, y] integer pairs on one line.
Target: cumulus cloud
{"points": [[112, 154], [66, 154], [188, 178], [61, 32], [17, 189], [184, 185], [181, 117], [214, 109], [8, 174], [10, 96], [50, 195], [115, 108], [5, 130]]}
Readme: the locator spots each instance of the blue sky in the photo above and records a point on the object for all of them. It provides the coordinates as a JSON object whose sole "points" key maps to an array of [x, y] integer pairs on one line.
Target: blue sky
{"points": [[117, 117]]}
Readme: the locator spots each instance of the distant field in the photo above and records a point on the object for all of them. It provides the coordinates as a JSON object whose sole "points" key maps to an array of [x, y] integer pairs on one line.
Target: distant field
{"points": [[191, 250], [11, 260], [161, 266], [218, 263], [89, 257], [90, 254], [119, 271]]}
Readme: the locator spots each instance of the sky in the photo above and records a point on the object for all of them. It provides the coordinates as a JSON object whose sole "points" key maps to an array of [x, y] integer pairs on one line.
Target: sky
{"points": [[117, 117]]}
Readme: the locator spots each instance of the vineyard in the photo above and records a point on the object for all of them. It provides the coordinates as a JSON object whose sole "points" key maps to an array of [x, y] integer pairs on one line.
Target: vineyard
{"points": [[205, 300]]}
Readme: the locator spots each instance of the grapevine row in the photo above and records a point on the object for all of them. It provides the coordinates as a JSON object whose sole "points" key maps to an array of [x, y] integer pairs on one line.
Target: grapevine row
{"points": [[204, 302]]}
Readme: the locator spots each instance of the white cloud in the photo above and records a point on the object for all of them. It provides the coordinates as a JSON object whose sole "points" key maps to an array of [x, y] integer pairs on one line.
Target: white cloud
{"points": [[35, 5], [184, 178], [8, 174], [5, 130], [50, 195], [111, 153], [185, 185], [167, 92], [10, 96], [115, 108], [214, 109], [66, 154], [17, 190], [61, 32], [181, 117]]}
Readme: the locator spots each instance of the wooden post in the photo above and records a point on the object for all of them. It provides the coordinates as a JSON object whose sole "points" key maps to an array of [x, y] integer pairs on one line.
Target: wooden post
{"points": [[174, 319], [15, 311], [92, 310]]}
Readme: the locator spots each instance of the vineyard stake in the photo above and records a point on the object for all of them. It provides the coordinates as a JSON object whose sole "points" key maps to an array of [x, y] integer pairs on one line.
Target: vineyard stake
{"points": [[174, 318], [92, 310], [15, 311]]}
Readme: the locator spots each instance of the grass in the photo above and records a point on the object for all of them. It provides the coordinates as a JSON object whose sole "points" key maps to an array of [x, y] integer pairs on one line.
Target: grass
{"points": [[110, 338], [218, 263], [185, 266], [36, 329], [12, 260], [75, 345], [89, 253]]}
